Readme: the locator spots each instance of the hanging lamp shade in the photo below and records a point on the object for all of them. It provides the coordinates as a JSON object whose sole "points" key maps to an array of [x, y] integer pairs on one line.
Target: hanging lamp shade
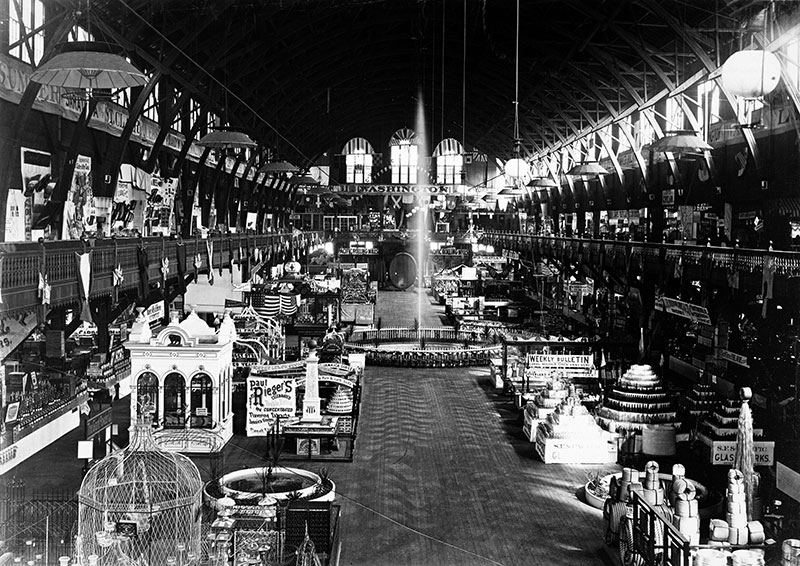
{"points": [[542, 182], [587, 169], [224, 138], [319, 191], [278, 167], [516, 168], [88, 65], [751, 74], [680, 142], [303, 180]]}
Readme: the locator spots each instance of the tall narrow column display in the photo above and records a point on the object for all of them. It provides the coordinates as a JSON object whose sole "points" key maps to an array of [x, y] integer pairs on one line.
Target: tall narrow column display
{"points": [[311, 409]]}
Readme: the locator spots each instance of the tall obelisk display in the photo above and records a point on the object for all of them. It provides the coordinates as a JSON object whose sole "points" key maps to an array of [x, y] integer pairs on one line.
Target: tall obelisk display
{"points": [[311, 409]]}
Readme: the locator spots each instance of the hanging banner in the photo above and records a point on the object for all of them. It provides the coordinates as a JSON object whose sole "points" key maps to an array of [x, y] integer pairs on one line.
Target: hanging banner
{"points": [[680, 308], [269, 398], [37, 187], [79, 211]]}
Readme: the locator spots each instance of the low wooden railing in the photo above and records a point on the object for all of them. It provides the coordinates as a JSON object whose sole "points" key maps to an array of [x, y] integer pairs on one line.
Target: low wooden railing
{"points": [[655, 539], [412, 335]]}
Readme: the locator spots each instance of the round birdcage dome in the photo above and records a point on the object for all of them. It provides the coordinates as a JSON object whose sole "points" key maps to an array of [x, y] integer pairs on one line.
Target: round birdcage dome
{"points": [[143, 501]]}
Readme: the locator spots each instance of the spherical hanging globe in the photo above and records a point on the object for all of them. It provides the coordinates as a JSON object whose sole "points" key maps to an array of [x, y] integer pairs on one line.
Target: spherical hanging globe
{"points": [[517, 168], [751, 73]]}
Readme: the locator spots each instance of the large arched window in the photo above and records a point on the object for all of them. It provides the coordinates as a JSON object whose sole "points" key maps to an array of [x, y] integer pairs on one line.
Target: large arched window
{"points": [[358, 161], [405, 156], [147, 391], [202, 401], [174, 401], [449, 156]]}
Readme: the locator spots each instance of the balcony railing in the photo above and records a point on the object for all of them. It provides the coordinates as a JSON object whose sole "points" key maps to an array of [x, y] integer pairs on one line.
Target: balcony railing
{"points": [[787, 263], [22, 262]]}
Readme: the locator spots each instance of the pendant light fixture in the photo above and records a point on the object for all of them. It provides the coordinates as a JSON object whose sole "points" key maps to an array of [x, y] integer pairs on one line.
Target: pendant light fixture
{"points": [[278, 167], [542, 183], [682, 141], [587, 169], [85, 68], [752, 73], [517, 168], [225, 137]]}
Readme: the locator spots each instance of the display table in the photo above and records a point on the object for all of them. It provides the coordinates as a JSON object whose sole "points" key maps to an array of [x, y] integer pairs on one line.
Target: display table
{"points": [[309, 435]]}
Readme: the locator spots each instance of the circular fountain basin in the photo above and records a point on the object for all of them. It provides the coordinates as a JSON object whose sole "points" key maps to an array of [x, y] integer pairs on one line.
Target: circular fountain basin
{"points": [[246, 485]]}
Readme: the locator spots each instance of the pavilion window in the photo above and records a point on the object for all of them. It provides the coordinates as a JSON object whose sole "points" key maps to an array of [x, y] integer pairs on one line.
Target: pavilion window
{"points": [[146, 391], [202, 391], [174, 401]]}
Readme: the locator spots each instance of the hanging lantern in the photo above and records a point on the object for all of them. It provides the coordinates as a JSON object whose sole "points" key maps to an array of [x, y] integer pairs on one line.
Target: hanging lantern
{"points": [[751, 73], [517, 168]]}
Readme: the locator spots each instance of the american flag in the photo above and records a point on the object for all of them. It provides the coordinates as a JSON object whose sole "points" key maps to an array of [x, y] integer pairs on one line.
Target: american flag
{"points": [[271, 305], [265, 305]]}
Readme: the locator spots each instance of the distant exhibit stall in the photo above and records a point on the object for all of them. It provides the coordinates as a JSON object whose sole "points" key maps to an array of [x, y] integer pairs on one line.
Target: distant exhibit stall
{"points": [[184, 376], [358, 297]]}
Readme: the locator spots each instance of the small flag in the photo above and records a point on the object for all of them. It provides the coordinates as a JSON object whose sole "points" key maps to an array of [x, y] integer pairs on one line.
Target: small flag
{"points": [[118, 275]]}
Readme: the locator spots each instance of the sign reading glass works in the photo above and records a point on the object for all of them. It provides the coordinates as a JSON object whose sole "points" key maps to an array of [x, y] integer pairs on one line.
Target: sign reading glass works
{"points": [[269, 398]]}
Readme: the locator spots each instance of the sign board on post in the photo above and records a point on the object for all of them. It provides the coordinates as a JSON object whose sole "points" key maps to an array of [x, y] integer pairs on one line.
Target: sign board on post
{"points": [[154, 313], [267, 399], [723, 452]]}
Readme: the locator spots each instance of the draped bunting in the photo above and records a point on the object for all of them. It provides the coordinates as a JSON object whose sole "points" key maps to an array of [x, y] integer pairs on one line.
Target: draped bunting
{"points": [[144, 276], [84, 269], [180, 249], [245, 260], [198, 261], [236, 267], [767, 279], [44, 288], [117, 278], [210, 252]]}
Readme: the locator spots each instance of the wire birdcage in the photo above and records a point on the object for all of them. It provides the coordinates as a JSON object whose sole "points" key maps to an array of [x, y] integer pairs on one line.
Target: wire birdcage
{"points": [[140, 506]]}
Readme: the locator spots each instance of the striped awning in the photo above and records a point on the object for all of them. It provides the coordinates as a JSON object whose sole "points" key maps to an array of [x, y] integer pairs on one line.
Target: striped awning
{"points": [[403, 135], [448, 146], [789, 207], [357, 145]]}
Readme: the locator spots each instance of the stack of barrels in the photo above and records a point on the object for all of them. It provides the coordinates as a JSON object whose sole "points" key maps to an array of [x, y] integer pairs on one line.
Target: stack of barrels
{"points": [[653, 493], [683, 497], [735, 529]]}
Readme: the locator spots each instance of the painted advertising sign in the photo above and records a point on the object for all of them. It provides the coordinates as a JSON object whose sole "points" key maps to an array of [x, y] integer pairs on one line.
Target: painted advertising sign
{"points": [[269, 398]]}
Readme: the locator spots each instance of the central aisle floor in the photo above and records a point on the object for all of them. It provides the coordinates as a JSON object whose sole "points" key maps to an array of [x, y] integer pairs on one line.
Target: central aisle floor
{"points": [[442, 474]]}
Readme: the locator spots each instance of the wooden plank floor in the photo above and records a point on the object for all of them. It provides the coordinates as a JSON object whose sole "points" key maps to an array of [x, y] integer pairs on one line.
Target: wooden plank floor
{"points": [[442, 474]]}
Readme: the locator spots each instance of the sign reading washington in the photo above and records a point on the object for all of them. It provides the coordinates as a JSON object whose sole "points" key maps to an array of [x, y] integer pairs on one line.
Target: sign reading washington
{"points": [[269, 398]]}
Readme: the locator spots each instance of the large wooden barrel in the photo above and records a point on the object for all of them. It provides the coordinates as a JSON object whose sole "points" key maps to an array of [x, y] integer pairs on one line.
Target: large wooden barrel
{"points": [[403, 270]]}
